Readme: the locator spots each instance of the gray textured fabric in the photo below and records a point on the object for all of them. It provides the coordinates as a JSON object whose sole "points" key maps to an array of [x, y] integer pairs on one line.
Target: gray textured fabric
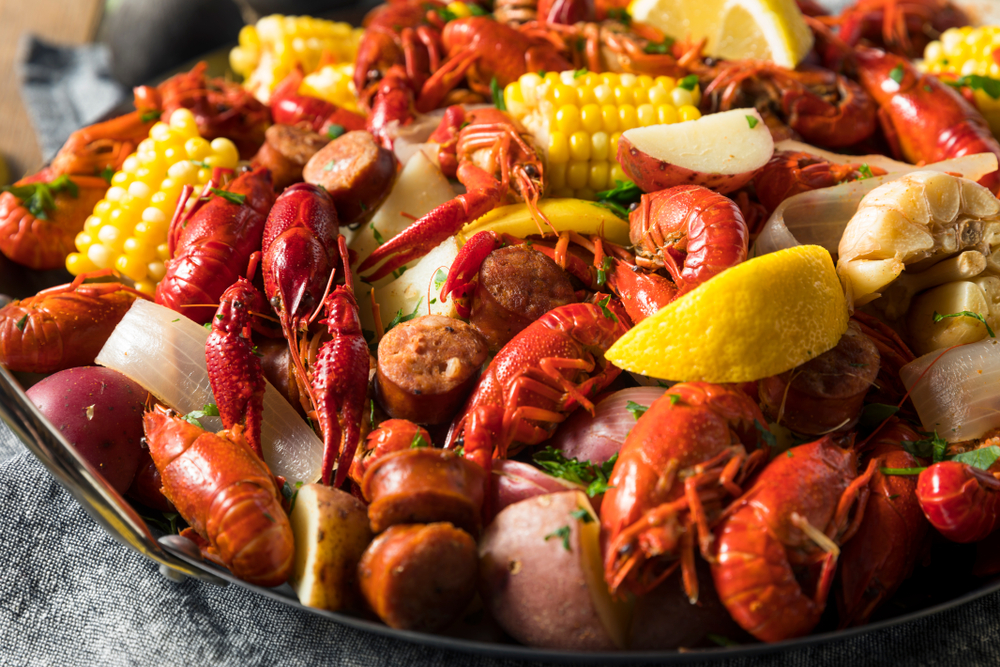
{"points": [[65, 88], [71, 595]]}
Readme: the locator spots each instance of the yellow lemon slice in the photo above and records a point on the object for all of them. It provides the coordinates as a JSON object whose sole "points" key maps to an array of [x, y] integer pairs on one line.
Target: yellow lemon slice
{"points": [[759, 318], [735, 29]]}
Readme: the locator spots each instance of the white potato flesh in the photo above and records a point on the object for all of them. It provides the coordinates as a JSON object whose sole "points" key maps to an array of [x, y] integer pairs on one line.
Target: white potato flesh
{"points": [[720, 143]]}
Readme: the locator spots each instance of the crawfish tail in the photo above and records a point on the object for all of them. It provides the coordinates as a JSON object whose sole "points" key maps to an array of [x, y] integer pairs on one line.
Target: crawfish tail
{"points": [[962, 502], [226, 494]]}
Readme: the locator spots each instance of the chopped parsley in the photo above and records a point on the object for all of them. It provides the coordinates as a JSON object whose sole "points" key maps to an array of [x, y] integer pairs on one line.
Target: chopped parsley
{"points": [[400, 317], [231, 197], [563, 534], [690, 82], [603, 303], [752, 121], [39, 198], [335, 131], [965, 313], [896, 74], [497, 92], [594, 476], [636, 409]]}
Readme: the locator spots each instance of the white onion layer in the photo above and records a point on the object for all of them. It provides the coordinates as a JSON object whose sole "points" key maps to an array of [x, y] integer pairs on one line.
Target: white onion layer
{"points": [[165, 353], [818, 217], [959, 397]]}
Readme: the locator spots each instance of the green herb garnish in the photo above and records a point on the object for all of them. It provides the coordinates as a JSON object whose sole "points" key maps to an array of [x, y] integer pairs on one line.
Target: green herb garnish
{"points": [[603, 303], [335, 131], [636, 409], [497, 94], [690, 82], [965, 313], [752, 122], [896, 74], [557, 464], [581, 514], [21, 322], [400, 318], [865, 171], [39, 198], [418, 441], [231, 197], [561, 533]]}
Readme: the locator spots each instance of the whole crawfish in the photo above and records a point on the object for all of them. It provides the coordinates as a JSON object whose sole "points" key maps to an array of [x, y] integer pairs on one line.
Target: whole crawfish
{"points": [[214, 244], [536, 380], [227, 494], [892, 534], [903, 27], [92, 149], [691, 231], [923, 119], [221, 108], [62, 327], [289, 107], [234, 370], [473, 144], [788, 173], [795, 515], [824, 108], [691, 449], [40, 237], [961, 502]]}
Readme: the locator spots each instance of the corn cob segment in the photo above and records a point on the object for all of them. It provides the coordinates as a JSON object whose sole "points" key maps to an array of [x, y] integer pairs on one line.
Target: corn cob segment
{"points": [[271, 49], [970, 51], [128, 228], [577, 118]]}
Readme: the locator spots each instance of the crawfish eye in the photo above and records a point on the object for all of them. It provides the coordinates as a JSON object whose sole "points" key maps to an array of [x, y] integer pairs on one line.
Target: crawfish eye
{"points": [[374, 75], [531, 171], [634, 205], [275, 302]]}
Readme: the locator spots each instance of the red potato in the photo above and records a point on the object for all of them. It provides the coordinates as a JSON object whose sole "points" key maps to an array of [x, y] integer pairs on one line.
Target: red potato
{"points": [[514, 481], [721, 151], [99, 411], [541, 577]]}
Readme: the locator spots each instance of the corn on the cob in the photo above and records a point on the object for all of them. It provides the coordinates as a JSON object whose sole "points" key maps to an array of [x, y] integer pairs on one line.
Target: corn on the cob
{"points": [[578, 117], [273, 47], [970, 51], [333, 83], [128, 228]]}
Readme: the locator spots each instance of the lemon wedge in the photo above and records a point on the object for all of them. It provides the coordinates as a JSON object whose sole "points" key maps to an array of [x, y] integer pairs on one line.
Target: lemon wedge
{"points": [[735, 29], [759, 318]]}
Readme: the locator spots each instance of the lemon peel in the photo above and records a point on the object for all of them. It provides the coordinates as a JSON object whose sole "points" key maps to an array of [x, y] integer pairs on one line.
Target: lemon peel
{"points": [[759, 318]]}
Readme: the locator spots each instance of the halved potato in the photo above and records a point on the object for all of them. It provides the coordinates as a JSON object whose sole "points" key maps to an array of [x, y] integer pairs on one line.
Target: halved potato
{"points": [[331, 533], [541, 576]]}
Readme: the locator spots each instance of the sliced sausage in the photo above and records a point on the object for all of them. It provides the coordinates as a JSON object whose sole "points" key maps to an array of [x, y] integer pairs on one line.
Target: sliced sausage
{"points": [[356, 171], [286, 151], [419, 577], [426, 367], [516, 286], [824, 394], [423, 485]]}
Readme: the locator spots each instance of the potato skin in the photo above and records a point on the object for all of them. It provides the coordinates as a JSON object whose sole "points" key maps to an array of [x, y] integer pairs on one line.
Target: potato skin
{"points": [[536, 589], [325, 571], [651, 174], [99, 411], [356, 171], [419, 577]]}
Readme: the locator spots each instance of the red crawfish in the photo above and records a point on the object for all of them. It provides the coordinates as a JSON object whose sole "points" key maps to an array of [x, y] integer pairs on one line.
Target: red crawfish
{"points": [[960, 501], [796, 514], [691, 449], [392, 435], [475, 146], [892, 535], [234, 368], [214, 245], [824, 108], [536, 380], [923, 119], [903, 27], [63, 327], [289, 107], [788, 173], [690, 231], [227, 494], [340, 377]]}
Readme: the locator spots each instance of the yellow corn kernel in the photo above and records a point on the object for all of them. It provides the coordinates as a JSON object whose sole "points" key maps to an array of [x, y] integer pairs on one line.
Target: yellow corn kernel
{"points": [[600, 146], [568, 119], [623, 95], [131, 164], [103, 208], [163, 251], [610, 79], [512, 93], [579, 146], [182, 121], [83, 241], [668, 83], [197, 148], [590, 118], [617, 174], [646, 114], [92, 224], [640, 95], [577, 174], [139, 251], [121, 179], [156, 270], [557, 175], [604, 94], [558, 148], [599, 176], [609, 118], [627, 118], [118, 219], [130, 268], [688, 112], [111, 237], [553, 78], [100, 256], [147, 287], [585, 95], [563, 94], [680, 97], [226, 151], [666, 114], [77, 263], [613, 143]]}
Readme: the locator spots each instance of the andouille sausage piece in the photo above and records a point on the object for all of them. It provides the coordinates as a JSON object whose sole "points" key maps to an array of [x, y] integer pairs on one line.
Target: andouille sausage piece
{"points": [[356, 171], [424, 485], [427, 366], [286, 150], [516, 286], [419, 577], [824, 394]]}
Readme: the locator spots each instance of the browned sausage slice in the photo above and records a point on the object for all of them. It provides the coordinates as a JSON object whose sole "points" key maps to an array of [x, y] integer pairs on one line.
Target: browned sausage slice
{"points": [[357, 173], [419, 577], [426, 367], [286, 151], [517, 285]]}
